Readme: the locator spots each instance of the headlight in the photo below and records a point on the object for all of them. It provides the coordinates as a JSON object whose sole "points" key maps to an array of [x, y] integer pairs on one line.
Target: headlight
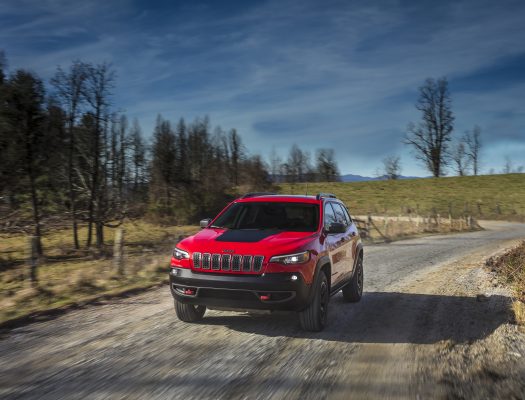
{"points": [[179, 254], [297, 258]]}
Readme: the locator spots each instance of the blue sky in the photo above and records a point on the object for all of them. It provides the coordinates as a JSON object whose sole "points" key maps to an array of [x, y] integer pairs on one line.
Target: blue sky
{"points": [[341, 74]]}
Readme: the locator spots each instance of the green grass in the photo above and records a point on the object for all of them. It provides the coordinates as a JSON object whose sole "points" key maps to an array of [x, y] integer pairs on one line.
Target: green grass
{"points": [[488, 196]]}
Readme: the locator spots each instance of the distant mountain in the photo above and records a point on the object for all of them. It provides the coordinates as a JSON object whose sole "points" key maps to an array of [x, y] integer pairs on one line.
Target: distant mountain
{"points": [[360, 178], [347, 178]]}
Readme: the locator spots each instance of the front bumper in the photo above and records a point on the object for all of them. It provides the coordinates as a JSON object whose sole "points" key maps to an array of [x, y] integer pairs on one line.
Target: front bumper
{"points": [[271, 291]]}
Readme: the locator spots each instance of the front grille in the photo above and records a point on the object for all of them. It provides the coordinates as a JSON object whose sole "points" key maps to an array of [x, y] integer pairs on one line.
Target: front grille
{"points": [[196, 260], [236, 262], [206, 260], [257, 263], [227, 262], [216, 262], [246, 263]]}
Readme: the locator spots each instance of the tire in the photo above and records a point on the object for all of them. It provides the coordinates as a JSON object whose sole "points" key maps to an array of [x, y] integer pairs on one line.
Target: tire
{"points": [[189, 312], [354, 290], [314, 316]]}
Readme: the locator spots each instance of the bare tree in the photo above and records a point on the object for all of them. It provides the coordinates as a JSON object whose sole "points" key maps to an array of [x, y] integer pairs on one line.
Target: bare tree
{"points": [[163, 165], [236, 152], [295, 165], [98, 89], [138, 156], [69, 87], [473, 147], [326, 166], [508, 167], [392, 167], [430, 137], [460, 158], [275, 165], [26, 152]]}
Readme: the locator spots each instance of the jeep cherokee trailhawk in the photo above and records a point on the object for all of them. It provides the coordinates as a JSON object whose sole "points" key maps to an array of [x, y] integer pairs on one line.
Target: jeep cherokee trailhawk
{"points": [[270, 252]]}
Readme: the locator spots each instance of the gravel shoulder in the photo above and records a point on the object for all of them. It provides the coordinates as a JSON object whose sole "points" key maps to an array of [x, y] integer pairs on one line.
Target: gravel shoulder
{"points": [[419, 332]]}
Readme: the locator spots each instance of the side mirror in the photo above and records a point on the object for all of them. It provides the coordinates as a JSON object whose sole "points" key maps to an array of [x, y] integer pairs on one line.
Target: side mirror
{"points": [[205, 222], [336, 227]]}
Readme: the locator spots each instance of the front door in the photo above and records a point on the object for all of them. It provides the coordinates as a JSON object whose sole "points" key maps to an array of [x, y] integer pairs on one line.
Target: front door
{"points": [[336, 246], [349, 240]]}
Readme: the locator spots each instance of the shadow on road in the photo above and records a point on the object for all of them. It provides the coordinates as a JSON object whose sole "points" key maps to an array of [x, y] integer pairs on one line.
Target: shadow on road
{"points": [[386, 317]]}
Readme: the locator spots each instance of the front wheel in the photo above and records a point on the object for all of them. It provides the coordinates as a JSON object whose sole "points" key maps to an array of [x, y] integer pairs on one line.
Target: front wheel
{"points": [[189, 312], [314, 316], [354, 290]]}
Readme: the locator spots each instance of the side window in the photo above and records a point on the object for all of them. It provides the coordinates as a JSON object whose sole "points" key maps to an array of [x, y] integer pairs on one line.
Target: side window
{"points": [[347, 215], [329, 215], [340, 214]]}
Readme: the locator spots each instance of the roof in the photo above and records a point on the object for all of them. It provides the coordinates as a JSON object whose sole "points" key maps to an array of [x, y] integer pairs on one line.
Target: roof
{"points": [[291, 198]]}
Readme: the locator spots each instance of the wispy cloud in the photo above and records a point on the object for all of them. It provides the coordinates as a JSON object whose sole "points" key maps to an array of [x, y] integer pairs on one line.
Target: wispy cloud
{"points": [[337, 73]]}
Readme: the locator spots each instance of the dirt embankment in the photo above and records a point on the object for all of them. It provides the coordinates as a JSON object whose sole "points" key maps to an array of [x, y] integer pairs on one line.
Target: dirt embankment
{"points": [[491, 366]]}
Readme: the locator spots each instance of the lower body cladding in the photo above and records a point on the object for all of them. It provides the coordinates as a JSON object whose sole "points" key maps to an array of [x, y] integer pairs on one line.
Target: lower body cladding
{"points": [[275, 291]]}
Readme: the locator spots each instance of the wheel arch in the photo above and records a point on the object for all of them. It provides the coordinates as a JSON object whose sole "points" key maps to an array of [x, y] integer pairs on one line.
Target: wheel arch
{"points": [[323, 264], [359, 254]]}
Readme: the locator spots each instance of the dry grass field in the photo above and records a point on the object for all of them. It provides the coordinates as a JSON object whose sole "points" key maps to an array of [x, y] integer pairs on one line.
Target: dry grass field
{"points": [[68, 276], [484, 197]]}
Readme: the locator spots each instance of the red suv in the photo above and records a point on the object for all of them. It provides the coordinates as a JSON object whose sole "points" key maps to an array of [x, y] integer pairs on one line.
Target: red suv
{"points": [[270, 252]]}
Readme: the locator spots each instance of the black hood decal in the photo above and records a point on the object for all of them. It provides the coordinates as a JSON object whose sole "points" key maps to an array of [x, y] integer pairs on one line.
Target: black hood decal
{"points": [[246, 235]]}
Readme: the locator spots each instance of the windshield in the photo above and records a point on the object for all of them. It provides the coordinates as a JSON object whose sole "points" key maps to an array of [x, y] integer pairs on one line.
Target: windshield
{"points": [[297, 217]]}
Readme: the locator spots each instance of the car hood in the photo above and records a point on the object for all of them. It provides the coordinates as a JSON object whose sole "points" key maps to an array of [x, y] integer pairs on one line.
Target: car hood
{"points": [[247, 241]]}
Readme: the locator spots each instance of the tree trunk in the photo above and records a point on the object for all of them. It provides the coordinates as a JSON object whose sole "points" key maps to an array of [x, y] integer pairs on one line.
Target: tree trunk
{"points": [[100, 234], [72, 197], [94, 180], [36, 215]]}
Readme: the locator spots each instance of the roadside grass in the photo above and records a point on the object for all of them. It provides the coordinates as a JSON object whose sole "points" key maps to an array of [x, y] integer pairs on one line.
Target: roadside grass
{"points": [[139, 236], [68, 277], [484, 197], [510, 269]]}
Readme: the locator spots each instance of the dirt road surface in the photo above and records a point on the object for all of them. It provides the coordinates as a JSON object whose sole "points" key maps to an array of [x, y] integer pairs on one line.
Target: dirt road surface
{"points": [[419, 332]]}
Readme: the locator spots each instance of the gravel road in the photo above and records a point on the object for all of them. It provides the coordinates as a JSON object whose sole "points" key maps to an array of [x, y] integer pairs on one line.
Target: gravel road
{"points": [[419, 298]]}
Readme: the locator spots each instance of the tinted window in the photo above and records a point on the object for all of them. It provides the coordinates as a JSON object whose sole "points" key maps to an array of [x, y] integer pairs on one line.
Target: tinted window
{"points": [[297, 217], [329, 215], [340, 214], [347, 215]]}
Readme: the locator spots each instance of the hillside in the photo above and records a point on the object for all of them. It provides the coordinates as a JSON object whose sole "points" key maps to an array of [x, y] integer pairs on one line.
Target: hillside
{"points": [[487, 196]]}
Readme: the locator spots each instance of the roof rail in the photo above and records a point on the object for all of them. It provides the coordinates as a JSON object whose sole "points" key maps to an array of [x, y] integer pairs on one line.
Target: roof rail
{"points": [[257, 194], [322, 195]]}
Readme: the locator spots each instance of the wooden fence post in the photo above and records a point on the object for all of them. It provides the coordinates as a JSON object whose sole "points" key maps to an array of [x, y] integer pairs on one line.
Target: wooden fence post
{"points": [[33, 259], [118, 251]]}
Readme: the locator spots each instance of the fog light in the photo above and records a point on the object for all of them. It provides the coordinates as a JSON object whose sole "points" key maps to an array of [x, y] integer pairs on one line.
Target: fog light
{"points": [[294, 278]]}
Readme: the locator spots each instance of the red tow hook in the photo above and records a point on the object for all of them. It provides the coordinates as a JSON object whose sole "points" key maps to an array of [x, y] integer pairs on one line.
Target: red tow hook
{"points": [[189, 292], [265, 297]]}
